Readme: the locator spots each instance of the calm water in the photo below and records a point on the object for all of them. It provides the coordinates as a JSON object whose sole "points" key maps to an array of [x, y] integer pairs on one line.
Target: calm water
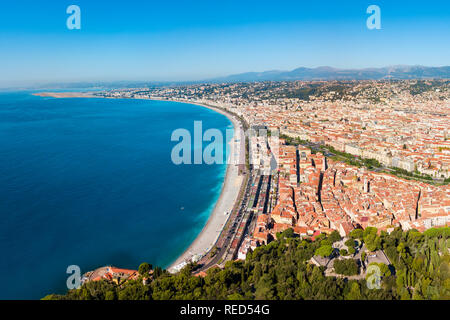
{"points": [[90, 182]]}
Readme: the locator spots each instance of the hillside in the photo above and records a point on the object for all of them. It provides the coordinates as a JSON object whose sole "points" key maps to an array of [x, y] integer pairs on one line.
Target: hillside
{"points": [[329, 73], [419, 269]]}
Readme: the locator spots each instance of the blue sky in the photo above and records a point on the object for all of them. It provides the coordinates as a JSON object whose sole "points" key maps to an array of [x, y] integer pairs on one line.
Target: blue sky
{"points": [[192, 40]]}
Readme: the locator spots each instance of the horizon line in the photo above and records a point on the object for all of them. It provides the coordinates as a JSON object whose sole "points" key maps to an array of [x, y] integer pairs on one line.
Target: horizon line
{"points": [[31, 84]]}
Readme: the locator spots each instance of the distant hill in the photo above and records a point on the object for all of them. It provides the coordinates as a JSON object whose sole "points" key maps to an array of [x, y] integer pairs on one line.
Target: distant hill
{"points": [[329, 73], [307, 74]]}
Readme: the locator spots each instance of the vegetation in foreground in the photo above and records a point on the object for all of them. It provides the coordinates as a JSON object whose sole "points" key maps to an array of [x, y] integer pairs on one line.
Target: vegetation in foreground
{"points": [[280, 270]]}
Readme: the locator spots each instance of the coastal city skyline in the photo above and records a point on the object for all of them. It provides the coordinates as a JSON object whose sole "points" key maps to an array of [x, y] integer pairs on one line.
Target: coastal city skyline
{"points": [[204, 39]]}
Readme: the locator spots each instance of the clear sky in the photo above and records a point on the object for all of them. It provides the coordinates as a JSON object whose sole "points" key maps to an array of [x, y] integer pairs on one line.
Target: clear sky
{"points": [[196, 39]]}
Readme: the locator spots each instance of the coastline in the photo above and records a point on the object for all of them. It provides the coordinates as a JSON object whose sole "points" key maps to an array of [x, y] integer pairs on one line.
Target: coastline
{"points": [[65, 95], [217, 220], [230, 189]]}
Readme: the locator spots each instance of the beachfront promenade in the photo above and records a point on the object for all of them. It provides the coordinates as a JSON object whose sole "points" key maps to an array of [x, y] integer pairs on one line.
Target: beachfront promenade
{"points": [[209, 235]]}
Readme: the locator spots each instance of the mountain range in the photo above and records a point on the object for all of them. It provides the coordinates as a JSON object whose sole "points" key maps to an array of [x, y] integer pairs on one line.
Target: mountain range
{"points": [[329, 73], [306, 74]]}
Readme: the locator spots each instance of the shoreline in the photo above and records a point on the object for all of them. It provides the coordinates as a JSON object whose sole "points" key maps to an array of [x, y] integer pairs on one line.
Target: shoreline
{"points": [[230, 188], [217, 220]]}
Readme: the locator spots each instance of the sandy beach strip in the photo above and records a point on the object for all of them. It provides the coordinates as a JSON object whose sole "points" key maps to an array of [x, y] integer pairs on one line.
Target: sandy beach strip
{"points": [[228, 197], [66, 95]]}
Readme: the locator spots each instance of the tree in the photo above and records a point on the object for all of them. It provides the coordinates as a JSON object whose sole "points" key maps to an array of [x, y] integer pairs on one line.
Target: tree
{"points": [[288, 233], [110, 295], [371, 239], [356, 234], [363, 256], [264, 288], [324, 251], [134, 290], [334, 236], [157, 272], [355, 292], [373, 243], [347, 267], [144, 269], [235, 296], [370, 231], [350, 243]]}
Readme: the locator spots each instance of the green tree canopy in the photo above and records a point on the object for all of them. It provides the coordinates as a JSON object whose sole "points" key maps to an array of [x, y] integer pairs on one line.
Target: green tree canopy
{"points": [[144, 269], [357, 234], [347, 267], [324, 251]]}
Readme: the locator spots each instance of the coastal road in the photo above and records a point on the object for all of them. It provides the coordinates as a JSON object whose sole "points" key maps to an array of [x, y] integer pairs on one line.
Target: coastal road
{"points": [[231, 228]]}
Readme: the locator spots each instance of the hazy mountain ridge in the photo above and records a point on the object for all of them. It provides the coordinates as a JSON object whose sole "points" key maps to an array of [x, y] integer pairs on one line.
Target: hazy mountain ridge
{"points": [[329, 73], [302, 73]]}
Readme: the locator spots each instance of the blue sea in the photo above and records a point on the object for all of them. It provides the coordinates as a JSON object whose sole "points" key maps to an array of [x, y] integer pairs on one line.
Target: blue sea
{"points": [[90, 182]]}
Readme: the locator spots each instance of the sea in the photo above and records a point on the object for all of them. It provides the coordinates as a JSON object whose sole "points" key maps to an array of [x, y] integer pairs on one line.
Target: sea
{"points": [[90, 182]]}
